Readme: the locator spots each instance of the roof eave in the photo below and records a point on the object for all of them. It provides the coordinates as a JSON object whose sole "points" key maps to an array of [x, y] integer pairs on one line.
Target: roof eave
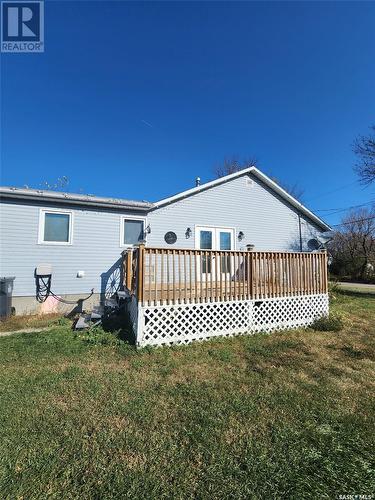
{"points": [[293, 201], [66, 198]]}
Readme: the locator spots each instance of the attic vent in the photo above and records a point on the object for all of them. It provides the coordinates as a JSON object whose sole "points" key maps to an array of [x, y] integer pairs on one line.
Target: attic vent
{"points": [[249, 182]]}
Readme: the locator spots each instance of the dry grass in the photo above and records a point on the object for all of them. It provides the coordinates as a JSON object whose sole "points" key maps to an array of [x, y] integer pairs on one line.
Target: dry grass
{"points": [[286, 415], [14, 323]]}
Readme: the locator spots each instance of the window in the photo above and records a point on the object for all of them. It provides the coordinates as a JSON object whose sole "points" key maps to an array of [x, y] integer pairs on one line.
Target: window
{"points": [[206, 244], [55, 227], [215, 238], [206, 240], [225, 244], [132, 231], [225, 240]]}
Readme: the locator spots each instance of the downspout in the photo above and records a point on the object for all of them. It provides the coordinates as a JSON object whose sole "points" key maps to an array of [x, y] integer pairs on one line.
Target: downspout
{"points": [[300, 232]]}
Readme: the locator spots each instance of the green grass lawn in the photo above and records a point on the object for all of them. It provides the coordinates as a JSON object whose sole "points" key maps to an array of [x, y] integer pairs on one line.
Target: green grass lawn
{"points": [[355, 288], [286, 415]]}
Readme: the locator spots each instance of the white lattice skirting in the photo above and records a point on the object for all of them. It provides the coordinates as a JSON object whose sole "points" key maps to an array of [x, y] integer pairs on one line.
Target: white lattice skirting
{"points": [[184, 323]]}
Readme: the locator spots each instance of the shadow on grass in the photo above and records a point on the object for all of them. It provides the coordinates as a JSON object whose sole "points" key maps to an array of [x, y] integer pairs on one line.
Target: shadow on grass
{"points": [[118, 322]]}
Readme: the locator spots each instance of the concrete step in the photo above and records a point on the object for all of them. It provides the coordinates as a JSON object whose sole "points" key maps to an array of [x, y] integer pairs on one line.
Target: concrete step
{"points": [[95, 315], [83, 322], [111, 303], [97, 312]]}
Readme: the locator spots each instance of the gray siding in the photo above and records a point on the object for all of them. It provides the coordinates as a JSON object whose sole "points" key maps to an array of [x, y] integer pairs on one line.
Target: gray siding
{"points": [[95, 249], [267, 221]]}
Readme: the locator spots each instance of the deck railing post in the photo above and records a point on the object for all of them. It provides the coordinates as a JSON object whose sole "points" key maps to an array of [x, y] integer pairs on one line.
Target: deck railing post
{"points": [[251, 274], [129, 269], [124, 267], [325, 272], [140, 273]]}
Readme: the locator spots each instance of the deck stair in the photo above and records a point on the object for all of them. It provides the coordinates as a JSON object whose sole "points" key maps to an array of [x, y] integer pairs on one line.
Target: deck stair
{"points": [[94, 318], [97, 313], [83, 322]]}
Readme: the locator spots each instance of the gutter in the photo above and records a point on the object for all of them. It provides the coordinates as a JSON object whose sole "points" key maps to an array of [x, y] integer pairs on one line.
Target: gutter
{"points": [[73, 199]]}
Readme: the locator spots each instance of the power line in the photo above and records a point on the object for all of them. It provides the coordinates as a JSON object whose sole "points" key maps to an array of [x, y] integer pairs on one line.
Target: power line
{"points": [[332, 191], [354, 221], [337, 210]]}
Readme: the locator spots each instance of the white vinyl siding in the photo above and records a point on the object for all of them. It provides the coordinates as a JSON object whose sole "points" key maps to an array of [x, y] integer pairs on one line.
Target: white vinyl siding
{"points": [[95, 248], [97, 240], [266, 220]]}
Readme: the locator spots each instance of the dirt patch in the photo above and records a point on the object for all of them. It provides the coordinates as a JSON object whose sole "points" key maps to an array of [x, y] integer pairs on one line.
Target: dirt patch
{"points": [[24, 330], [20, 323]]}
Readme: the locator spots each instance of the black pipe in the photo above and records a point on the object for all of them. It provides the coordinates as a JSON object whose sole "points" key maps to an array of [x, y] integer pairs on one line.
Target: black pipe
{"points": [[300, 233]]}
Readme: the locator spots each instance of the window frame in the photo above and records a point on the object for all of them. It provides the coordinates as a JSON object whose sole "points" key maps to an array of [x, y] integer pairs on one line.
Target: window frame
{"points": [[123, 218], [42, 220], [198, 227]]}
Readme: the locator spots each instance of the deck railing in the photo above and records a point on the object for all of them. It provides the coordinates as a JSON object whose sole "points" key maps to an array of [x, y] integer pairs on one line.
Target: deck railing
{"points": [[166, 276]]}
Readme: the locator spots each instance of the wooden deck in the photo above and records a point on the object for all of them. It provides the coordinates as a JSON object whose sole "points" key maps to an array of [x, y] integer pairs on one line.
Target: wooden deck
{"points": [[163, 276]]}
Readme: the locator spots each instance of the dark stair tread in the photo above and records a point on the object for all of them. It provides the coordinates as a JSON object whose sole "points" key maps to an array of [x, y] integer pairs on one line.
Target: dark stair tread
{"points": [[83, 322]]}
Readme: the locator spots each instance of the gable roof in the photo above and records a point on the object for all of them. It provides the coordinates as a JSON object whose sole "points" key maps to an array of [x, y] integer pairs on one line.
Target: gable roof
{"points": [[259, 175], [145, 206]]}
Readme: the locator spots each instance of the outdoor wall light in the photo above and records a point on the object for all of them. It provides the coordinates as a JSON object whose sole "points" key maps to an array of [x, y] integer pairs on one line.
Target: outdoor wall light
{"points": [[148, 229], [188, 232], [241, 236]]}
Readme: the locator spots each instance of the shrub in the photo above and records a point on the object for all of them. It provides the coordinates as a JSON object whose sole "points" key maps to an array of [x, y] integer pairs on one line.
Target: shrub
{"points": [[63, 321], [331, 323], [98, 336], [333, 289]]}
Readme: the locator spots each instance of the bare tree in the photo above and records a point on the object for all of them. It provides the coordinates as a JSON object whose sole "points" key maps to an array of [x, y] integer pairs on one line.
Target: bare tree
{"points": [[294, 190], [353, 246], [364, 148], [232, 165]]}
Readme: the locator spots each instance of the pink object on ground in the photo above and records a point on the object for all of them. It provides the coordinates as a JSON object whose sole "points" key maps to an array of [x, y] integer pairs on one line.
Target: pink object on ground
{"points": [[49, 306]]}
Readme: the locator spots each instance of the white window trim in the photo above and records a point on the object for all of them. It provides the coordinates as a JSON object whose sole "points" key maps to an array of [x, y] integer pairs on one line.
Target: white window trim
{"points": [[130, 217], [42, 213]]}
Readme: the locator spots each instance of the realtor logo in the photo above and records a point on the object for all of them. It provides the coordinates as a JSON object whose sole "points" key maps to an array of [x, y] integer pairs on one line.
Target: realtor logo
{"points": [[22, 26]]}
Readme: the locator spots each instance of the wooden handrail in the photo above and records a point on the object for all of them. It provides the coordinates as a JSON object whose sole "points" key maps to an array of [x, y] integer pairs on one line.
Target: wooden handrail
{"points": [[150, 249], [176, 276]]}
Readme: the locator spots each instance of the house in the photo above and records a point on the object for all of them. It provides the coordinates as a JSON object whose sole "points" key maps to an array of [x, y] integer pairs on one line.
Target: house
{"points": [[78, 239]]}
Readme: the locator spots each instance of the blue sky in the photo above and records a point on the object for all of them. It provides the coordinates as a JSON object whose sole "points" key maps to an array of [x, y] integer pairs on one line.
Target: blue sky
{"points": [[135, 100]]}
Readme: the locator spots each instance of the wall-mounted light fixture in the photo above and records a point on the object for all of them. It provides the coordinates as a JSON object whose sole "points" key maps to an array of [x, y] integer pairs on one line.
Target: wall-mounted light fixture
{"points": [[241, 236], [148, 229], [188, 232]]}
